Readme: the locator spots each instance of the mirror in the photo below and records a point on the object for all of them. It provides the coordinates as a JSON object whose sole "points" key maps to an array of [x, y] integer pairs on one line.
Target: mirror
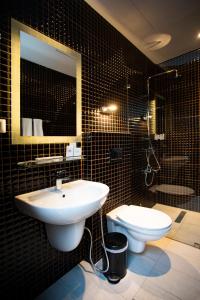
{"points": [[46, 88]]}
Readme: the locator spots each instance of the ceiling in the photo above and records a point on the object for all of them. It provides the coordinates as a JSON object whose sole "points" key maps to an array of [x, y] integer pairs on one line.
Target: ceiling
{"points": [[161, 29]]}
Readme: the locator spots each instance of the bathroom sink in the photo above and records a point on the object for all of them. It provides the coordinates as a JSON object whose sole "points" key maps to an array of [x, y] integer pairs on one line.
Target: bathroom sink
{"points": [[64, 211], [76, 201]]}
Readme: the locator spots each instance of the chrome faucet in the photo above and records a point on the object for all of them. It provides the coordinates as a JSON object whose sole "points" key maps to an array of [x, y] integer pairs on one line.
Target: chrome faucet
{"points": [[60, 179], [59, 182]]}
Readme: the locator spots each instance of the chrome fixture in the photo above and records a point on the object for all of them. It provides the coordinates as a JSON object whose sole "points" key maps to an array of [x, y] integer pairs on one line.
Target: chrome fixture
{"points": [[59, 182]]}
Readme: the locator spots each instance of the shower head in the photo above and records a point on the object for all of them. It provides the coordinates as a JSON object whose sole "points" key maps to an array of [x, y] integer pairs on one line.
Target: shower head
{"points": [[163, 73]]}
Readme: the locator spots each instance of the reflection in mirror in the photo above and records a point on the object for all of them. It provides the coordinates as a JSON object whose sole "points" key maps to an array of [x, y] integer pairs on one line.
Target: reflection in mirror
{"points": [[46, 89], [157, 120]]}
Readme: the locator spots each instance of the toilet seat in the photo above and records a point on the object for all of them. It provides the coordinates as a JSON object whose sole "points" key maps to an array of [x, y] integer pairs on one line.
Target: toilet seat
{"points": [[145, 218], [139, 224]]}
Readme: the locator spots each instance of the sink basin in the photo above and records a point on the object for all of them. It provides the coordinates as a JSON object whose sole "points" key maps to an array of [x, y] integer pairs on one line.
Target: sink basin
{"points": [[64, 211]]}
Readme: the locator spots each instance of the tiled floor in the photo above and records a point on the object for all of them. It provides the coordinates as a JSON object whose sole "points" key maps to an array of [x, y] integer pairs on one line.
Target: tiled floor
{"points": [[188, 231], [166, 270]]}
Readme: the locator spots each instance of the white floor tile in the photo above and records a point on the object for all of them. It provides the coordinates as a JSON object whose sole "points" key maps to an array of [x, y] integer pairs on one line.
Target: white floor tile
{"points": [[183, 258], [175, 283], [188, 233], [139, 268], [140, 265], [154, 249], [93, 293], [78, 284], [153, 292], [96, 285], [128, 286], [192, 218], [167, 270]]}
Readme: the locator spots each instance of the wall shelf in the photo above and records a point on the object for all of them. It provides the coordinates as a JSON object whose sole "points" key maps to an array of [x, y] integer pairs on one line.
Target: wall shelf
{"points": [[29, 164]]}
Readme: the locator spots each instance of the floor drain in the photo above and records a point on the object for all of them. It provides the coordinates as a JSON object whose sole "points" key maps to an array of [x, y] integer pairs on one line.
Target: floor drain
{"points": [[180, 216]]}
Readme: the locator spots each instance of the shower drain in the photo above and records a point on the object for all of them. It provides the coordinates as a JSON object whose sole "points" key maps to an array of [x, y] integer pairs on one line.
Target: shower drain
{"points": [[180, 217]]}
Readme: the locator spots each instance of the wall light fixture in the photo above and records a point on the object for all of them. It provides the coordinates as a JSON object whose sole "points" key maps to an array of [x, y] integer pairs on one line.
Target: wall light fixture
{"points": [[112, 108]]}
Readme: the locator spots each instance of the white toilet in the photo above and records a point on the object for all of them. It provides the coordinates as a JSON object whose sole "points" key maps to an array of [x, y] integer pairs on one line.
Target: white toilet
{"points": [[139, 224]]}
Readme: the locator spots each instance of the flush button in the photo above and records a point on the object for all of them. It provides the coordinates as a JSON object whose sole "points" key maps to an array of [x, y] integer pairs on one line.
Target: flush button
{"points": [[116, 154]]}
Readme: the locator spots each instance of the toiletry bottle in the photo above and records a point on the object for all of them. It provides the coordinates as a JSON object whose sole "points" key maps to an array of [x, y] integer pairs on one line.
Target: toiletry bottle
{"points": [[69, 150], [77, 149]]}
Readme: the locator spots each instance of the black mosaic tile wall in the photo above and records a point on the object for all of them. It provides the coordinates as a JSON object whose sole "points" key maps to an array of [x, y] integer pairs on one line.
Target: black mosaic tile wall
{"points": [[116, 173], [50, 96], [179, 100], [29, 264]]}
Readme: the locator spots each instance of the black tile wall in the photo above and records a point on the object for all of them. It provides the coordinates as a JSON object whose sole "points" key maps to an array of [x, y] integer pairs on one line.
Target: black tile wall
{"points": [[29, 264], [117, 174]]}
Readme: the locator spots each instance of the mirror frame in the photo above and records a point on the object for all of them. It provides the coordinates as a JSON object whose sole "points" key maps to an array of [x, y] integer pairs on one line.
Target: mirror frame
{"points": [[16, 27]]}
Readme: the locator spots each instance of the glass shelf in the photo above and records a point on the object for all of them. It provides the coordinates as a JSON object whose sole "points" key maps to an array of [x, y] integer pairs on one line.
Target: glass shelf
{"points": [[33, 164]]}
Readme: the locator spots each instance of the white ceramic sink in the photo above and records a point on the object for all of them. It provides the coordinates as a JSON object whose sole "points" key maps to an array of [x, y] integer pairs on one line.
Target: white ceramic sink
{"points": [[64, 211]]}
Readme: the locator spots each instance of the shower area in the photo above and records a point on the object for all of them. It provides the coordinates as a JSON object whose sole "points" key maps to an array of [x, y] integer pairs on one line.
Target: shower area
{"points": [[166, 132]]}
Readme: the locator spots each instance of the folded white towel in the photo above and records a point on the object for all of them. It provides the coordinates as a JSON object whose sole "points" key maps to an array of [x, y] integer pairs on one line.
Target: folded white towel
{"points": [[27, 127], [37, 127]]}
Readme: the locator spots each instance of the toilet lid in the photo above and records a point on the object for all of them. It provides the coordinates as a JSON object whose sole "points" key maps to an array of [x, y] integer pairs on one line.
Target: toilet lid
{"points": [[145, 218]]}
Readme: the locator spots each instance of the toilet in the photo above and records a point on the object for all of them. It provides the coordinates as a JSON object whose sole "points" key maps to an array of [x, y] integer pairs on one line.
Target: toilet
{"points": [[139, 224]]}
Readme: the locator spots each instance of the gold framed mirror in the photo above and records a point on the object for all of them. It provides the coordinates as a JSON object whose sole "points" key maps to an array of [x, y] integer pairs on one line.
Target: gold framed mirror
{"points": [[46, 88]]}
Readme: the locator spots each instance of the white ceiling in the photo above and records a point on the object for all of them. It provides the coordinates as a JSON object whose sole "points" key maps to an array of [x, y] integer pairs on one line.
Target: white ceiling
{"points": [[150, 24]]}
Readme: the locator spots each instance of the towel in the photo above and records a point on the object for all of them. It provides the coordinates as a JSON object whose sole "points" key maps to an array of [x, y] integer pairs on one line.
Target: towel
{"points": [[27, 127], [37, 127]]}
